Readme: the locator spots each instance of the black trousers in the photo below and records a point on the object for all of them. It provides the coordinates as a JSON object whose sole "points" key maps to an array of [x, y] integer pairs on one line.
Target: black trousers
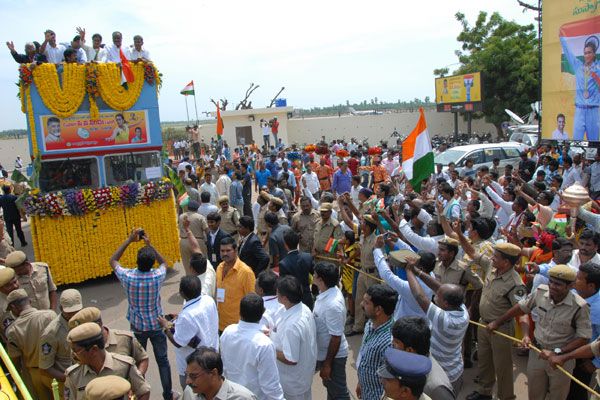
{"points": [[11, 225], [576, 392]]}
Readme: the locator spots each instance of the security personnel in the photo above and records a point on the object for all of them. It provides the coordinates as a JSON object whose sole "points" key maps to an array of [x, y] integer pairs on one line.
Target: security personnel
{"points": [[562, 325], [107, 388], [304, 222], [327, 228], [404, 374], [87, 343], [230, 217], [199, 228], [259, 209], [8, 283], [502, 289], [367, 264], [55, 353], [447, 268], [36, 279], [24, 344], [276, 206], [115, 340]]}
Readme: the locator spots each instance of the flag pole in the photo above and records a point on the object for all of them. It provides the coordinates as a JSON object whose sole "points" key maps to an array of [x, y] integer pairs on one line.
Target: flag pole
{"points": [[195, 105], [186, 110]]}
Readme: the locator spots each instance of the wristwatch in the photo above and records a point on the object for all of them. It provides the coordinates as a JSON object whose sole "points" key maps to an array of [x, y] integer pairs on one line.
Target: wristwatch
{"points": [[558, 351]]}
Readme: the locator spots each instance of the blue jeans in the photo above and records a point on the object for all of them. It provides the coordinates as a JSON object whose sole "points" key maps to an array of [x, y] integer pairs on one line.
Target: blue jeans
{"points": [[159, 344], [586, 121]]}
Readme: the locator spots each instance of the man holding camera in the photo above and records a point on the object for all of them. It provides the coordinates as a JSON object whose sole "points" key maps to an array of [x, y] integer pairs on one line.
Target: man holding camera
{"points": [[142, 286]]}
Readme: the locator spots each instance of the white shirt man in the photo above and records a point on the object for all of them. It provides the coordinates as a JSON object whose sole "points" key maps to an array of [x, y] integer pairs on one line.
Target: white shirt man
{"points": [[55, 54], [576, 261], [571, 176], [212, 189], [113, 53], [312, 181], [207, 208], [133, 54], [296, 339], [223, 184], [198, 319], [92, 54], [272, 314], [208, 280], [249, 358]]}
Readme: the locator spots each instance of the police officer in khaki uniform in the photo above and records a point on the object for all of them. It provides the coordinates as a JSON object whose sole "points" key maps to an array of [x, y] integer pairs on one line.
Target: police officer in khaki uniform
{"points": [[8, 283], [367, 264], [276, 206], [107, 388], [230, 217], [562, 324], [199, 228], [447, 268], [262, 204], [304, 223], [55, 353], [87, 344], [115, 340], [326, 228], [36, 279], [502, 289], [24, 344]]}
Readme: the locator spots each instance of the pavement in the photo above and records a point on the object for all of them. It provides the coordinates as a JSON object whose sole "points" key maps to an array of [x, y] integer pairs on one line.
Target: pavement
{"points": [[108, 295]]}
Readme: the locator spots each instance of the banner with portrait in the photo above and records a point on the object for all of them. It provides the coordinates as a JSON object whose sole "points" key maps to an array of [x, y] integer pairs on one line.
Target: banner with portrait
{"points": [[570, 71], [111, 129]]}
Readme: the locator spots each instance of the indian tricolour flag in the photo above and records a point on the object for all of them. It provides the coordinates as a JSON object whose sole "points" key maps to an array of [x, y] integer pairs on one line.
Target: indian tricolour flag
{"points": [[573, 38], [417, 155], [188, 89]]}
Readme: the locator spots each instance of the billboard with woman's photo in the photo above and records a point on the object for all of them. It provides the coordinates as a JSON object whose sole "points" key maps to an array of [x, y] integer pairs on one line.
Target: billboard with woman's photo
{"points": [[570, 71]]}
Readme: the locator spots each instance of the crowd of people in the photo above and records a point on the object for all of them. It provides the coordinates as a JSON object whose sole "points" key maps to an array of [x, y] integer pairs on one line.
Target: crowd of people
{"points": [[287, 253], [78, 50]]}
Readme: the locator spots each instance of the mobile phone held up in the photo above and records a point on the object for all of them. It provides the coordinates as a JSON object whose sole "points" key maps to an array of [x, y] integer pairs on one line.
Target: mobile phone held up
{"points": [[141, 234]]}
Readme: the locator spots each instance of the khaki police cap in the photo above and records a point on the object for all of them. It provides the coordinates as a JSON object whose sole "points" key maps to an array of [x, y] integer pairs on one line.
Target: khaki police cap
{"points": [[222, 199], [400, 256], [70, 301], [276, 200], [326, 207], [563, 272], [15, 259], [508, 249], [107, 387], [450, 241], [265, 195], [89, 330], [6, 275], [16, 295], [88, 314]]}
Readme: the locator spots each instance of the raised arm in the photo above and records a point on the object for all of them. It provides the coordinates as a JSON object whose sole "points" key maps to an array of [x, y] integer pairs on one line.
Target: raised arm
{"points": [[133, 237]]}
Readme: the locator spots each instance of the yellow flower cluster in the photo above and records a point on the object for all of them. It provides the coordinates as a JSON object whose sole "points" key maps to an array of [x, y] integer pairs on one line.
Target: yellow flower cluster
{"points": [[31, 119], [78, 248], [62, 102], [111, 90]]}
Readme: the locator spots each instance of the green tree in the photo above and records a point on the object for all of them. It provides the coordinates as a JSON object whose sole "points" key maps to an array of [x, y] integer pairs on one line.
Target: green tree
{"points": [[506, 53]]}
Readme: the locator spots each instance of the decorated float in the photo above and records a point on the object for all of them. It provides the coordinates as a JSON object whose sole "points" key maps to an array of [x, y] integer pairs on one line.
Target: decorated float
{"points": [[97, 167]]}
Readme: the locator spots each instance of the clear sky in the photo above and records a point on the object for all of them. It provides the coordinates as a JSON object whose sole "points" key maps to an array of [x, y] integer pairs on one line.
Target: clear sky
{"points": [[324, 52]]}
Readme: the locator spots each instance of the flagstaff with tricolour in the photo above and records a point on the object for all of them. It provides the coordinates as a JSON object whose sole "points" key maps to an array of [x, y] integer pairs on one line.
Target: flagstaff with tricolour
{"points": [[417, 154], [186, 91]]}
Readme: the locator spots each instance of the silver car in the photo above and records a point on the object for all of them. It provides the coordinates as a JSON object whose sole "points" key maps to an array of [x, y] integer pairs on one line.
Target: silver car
{"points": [[481, 154]]}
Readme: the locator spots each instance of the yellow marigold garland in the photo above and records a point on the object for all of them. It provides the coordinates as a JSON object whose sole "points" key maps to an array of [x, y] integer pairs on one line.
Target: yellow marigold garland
{"points": [[22, 97], [62, 102], [30, 117], [77, 248], [111, 90]]}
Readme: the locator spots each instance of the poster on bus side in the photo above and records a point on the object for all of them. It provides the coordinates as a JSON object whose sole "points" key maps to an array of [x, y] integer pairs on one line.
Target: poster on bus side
{"points": [[111, 129]]}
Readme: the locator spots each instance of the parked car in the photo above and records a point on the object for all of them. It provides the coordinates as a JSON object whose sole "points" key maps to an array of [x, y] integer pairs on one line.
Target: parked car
{"points": [[525, 134], [481, 154]]}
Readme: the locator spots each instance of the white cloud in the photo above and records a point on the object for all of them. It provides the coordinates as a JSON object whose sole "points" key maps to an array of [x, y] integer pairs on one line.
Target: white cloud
{"points": [[323, 52]]}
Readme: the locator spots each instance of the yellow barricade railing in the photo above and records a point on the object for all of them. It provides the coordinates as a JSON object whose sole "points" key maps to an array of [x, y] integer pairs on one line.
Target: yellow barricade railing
{"points": [[14, 374]]}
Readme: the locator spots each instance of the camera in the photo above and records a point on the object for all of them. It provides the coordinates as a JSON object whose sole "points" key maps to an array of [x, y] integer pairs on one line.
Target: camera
{"points": [[141, 234]]}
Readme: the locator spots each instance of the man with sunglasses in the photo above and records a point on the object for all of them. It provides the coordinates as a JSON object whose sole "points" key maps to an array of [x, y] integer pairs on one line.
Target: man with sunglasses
{"points": [[87, 346]]}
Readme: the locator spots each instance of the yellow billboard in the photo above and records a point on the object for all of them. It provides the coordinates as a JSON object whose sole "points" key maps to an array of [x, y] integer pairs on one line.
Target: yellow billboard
{"points": [[458, 89], [570, 71]]}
